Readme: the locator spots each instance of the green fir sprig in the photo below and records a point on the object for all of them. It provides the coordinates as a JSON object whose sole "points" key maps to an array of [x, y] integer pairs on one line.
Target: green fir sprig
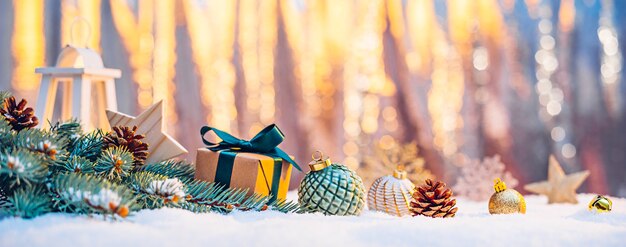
{"points": [[87, 194], [28, 202], [155, 190], [225, 200], [70, 130], [49, 145], [6, 135], [21, 166], [172, 168], [114, 163], [89, 145], [4, 95], [77, 164]]}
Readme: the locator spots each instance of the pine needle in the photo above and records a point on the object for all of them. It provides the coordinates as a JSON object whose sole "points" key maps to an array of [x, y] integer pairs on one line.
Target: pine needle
{"points": [[4, 95], [83, 193], [43, 142], [89, 145], [172, 168], [70, 130], [77, 164], [22, 167], [28, 202], [114, 163]]}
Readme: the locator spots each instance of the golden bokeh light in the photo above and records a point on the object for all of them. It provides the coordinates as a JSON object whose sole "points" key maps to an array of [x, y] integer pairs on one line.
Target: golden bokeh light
{"points": [[27, 45], [81, 33], [210, 25], [164, 59], [138, 39]]}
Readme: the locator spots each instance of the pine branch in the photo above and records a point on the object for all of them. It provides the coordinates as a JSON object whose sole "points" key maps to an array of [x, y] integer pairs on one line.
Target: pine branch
{"points": [[82, 193], [89, 145], [70, 130], [28, 202], [6, 135], [172, 169], [4, 95], [225, 200], [203, 192], [195, 207], [77, 164], [157, 190], [21, 167], [43, 142], [285, 206], [115, 163]]}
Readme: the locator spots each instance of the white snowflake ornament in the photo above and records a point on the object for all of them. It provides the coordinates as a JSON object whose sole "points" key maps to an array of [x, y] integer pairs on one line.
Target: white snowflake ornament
{"points": [[476, 179]]}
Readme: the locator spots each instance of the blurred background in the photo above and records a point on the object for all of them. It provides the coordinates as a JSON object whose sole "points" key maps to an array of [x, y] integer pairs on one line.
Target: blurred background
{"points": [[458, 79]]}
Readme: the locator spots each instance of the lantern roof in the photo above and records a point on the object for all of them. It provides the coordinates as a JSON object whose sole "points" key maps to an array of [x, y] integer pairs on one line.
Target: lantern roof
{"points": [[77, 57], [73, 61]]}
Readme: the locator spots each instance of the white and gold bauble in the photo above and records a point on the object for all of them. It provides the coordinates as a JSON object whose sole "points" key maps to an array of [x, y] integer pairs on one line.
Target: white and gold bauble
{"points": [[391, 194]]}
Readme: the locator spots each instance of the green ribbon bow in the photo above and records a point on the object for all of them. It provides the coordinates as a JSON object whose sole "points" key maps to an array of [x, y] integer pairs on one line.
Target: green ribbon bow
{"points": [[265, 143]]}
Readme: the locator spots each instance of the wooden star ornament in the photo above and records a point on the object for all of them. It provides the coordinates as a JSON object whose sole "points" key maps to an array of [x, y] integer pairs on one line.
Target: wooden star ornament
{"points": [[161, 146], [559, 188]]}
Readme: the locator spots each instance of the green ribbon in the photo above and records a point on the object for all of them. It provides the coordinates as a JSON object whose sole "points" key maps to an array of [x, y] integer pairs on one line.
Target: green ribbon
{"points": [[224, 170], [264, 143]]}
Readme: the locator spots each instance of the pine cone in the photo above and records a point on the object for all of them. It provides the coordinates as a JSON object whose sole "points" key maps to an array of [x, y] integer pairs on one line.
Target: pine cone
{"points": [[123, 136], [18, 115], [433, 200]]}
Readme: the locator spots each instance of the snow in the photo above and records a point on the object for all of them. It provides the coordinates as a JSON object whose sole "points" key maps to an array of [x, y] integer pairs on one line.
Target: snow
{"points": [[542, 225]]}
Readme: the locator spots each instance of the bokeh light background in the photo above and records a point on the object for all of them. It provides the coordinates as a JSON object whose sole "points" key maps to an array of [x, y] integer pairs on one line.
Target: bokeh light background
{"points": [[461, 78]]}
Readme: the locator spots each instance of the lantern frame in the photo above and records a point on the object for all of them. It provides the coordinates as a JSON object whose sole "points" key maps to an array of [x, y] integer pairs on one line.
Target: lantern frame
{"points": [[80, 70]]}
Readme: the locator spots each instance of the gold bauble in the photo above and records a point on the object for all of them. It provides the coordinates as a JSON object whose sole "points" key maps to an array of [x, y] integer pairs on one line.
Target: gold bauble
{"points": [[506, 201], [391, 194], [600, 204]]}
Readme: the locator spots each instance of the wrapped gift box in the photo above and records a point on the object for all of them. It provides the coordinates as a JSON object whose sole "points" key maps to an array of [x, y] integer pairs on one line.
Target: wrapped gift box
{"points": [[260, 174]]}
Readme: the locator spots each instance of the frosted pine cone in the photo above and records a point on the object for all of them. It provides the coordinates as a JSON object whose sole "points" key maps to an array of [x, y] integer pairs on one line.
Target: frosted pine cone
{"points": [[433, 200]]}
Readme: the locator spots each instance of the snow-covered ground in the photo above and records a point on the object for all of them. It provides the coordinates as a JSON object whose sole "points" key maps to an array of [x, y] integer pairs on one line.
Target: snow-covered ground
{"points": [[543, 225]]}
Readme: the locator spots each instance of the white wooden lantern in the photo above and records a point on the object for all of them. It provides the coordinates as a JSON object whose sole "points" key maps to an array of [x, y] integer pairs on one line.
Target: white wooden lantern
{"points": [[88, 88]]}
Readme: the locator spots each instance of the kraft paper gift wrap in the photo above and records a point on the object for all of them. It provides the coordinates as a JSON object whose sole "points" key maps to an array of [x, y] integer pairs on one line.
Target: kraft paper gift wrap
{"points": [[260, 174]]}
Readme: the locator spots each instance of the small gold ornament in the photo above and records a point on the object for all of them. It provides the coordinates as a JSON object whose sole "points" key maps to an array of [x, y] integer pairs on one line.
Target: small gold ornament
{"points": [[391, 194], [600, 204], [506, 201]]}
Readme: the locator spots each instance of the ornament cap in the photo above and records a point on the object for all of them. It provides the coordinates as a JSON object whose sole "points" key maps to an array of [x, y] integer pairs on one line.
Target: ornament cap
{"points": [[499, 185], [399, 174], [600, 204], [319, 161]]}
